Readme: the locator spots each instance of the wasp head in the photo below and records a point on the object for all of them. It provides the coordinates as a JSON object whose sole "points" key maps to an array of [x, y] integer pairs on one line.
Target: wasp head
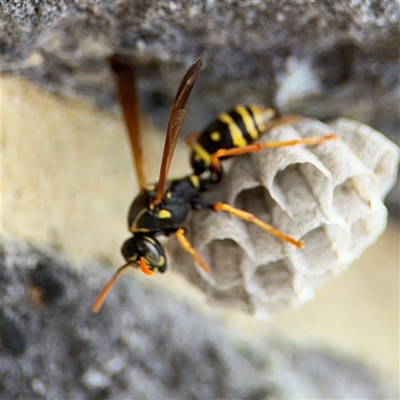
{"points": [[146, 252]]}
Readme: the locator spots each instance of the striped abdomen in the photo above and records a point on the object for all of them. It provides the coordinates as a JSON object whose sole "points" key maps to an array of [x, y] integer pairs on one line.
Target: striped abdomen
{"points": [[237, 128]]}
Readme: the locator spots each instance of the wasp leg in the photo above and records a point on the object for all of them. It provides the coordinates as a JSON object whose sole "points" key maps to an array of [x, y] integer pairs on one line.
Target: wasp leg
{"points": [[185, 244], [192, 138], [251, 218], [257, 146]]}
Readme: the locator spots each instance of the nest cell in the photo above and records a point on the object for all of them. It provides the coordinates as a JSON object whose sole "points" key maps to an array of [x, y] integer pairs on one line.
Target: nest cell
{"points": [[348, 203], [329, 195], [235, 297], [375, 150], [272, 281], [224, 258], [317, 257]]}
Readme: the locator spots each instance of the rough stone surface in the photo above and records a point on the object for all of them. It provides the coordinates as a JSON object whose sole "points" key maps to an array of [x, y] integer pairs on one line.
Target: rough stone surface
{"points": [[347, 52], [143, 344], [320, 59]]}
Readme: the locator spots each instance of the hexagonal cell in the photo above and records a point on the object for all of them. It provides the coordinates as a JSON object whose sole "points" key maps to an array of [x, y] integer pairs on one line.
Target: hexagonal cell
{"points": [[348, 203], [271, 162], [361, 240], [317, 256], [383, 170], [266, 310], [252, 200], [235, 297], [293, 188], [242, 176], [266, 246], [224, 258], [183, 262], [272, 281], [256, 202], [340, 159], [377, 152], [376, 220], [365, 231], [339, 236]]}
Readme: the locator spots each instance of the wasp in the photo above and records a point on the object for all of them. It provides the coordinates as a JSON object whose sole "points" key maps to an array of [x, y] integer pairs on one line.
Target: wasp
{"points": [[161, 208]]}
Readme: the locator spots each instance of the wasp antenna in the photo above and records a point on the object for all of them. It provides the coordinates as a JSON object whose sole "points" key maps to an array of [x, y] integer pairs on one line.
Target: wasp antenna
{"points": [[98, 303]]}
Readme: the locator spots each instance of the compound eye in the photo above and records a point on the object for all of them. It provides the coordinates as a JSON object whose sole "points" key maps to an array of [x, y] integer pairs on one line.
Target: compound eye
{"points": [[153, 253], [150, 252]]}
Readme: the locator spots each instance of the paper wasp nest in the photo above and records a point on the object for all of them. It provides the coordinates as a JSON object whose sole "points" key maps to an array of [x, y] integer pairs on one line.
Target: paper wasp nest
{"points": [[329, 195]]}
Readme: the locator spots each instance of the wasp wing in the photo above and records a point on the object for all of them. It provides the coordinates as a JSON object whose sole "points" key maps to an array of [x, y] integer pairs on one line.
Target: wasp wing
{"points": [[176, 117], [127, 93]]}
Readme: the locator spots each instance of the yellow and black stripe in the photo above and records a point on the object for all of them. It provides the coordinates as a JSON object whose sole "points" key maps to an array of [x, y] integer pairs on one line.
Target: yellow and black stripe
{"points": [[237, 128]]}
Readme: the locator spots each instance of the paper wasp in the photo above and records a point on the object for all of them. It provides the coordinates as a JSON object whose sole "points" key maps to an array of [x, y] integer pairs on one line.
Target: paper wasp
{"points": [[161, 208]]}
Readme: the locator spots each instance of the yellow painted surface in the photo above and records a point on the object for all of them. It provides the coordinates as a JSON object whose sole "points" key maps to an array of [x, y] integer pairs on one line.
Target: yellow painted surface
{"points": [[67, 175]]}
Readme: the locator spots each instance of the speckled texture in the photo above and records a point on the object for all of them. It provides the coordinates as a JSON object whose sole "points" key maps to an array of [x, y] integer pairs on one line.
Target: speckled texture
{"points": [[144, 344], [69, 179], [351, 47], [320, 59]]}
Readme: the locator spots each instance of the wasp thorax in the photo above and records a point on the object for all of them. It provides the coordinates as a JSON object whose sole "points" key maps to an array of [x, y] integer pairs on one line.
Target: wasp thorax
{"points": [[148, 248]]}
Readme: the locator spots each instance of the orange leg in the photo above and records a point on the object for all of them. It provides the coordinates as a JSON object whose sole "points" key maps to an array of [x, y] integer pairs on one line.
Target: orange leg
{"points": [[185, 244], [251, 218], [257, 146]]}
